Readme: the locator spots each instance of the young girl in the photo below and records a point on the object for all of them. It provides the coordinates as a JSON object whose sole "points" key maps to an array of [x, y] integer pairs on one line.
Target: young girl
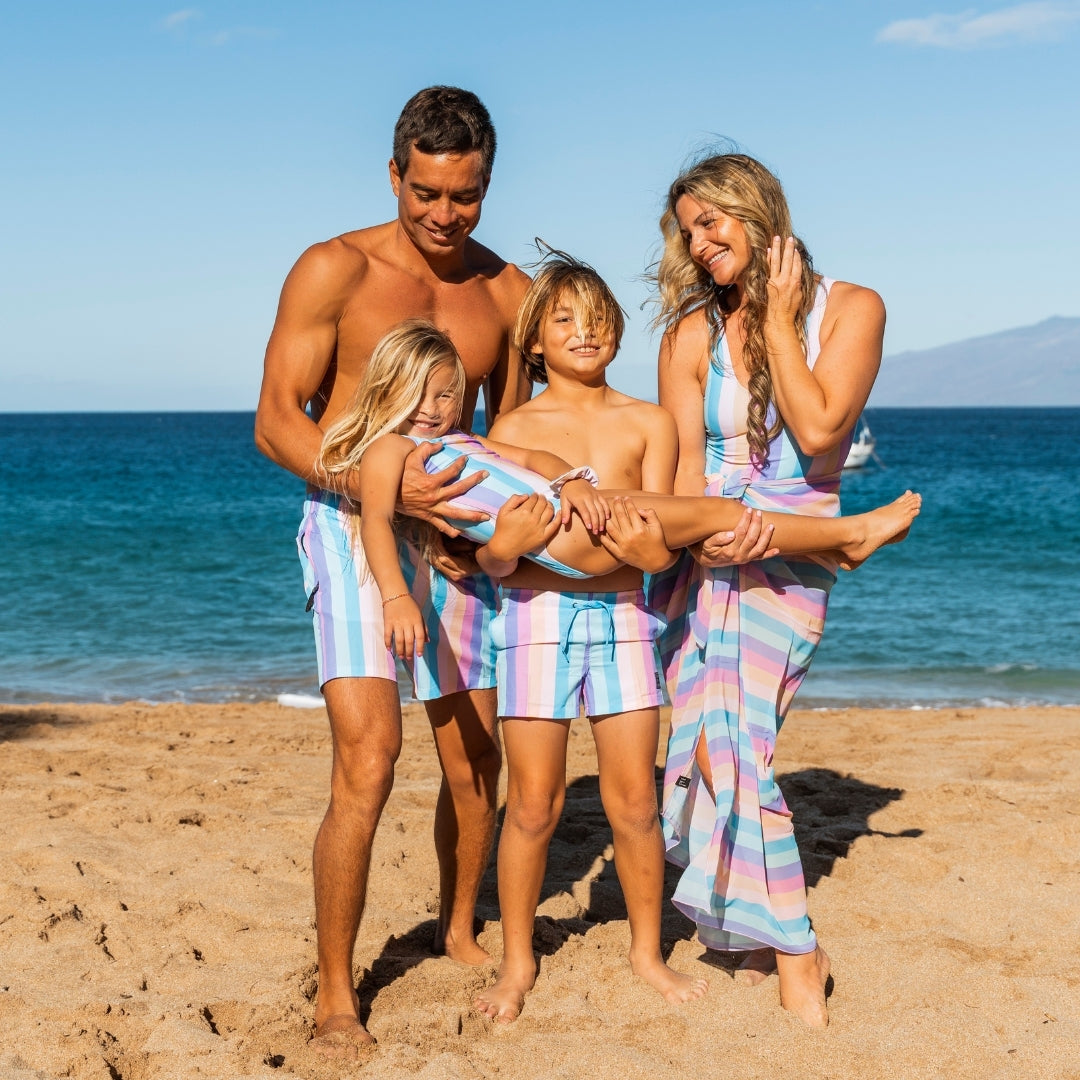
{"points": [[411, 392]]}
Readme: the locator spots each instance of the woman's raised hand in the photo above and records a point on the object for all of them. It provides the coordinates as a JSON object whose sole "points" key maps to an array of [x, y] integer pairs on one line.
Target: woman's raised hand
{"points": [[785, 281]]}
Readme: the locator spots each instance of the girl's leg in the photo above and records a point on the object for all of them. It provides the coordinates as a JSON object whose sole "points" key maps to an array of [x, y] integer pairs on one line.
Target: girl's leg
{"points": [[685, 520], [535, 753]]}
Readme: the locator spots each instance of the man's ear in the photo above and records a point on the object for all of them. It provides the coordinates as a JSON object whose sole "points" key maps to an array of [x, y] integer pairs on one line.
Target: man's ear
{"points": [[395, 178]]}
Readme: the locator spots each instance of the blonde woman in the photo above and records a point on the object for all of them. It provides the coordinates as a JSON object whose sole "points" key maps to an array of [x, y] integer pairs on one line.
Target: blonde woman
{"points": [[779, 361]]}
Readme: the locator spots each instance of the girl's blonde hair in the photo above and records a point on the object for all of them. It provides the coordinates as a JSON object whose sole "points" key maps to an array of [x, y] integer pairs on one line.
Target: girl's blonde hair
{"points": [[564, 279], [389, 391], [743, 189]]}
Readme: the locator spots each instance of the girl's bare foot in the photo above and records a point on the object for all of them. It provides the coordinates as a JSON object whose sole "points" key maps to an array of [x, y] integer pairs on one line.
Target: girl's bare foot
{"points": [[887, 524], [802, 985], [505, 998], [673, 985], [756, 967]]}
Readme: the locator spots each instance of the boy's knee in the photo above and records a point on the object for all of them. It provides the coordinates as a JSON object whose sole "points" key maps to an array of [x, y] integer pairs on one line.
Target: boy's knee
{"points": [[633, 815], [535, 814]]}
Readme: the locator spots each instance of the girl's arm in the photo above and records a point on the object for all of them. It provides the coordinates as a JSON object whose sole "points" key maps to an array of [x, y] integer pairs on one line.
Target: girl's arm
{"points": [[821, 406], [380, 479]]}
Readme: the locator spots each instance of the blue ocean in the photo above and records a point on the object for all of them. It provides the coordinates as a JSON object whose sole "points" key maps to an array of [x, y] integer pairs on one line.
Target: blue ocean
{"points": [[152, 556]]}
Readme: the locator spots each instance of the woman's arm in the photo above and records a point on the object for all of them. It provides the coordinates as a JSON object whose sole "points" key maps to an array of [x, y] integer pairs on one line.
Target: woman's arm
{"points": [[683, 364], [380, 480], [821, 406]]}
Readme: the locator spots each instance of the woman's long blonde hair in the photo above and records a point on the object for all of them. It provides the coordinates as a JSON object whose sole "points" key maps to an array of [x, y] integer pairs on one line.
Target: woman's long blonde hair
{"points": [[389, 391], [742, 188]]}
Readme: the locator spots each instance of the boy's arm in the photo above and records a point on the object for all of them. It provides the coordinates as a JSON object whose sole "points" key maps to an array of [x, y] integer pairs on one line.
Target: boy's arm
{"points": [[525, 523], [379, 479]]}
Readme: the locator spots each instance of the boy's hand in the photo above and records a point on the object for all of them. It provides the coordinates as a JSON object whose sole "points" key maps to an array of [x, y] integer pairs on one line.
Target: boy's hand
{"points": [[580, 497], [636, 537], [427, 495], [403, 627], [525, 523], [748, 542]]}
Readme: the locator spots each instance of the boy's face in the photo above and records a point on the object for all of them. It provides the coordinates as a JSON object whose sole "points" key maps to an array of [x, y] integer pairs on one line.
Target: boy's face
{"points": [[439, 199], [580, 353]]}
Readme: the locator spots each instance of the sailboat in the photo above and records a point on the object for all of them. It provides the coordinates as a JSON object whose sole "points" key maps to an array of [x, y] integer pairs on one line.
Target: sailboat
{"points": [[862, 446]]}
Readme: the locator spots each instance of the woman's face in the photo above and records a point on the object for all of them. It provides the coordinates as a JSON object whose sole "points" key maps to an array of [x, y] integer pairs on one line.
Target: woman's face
{"points": [[716, 241]]}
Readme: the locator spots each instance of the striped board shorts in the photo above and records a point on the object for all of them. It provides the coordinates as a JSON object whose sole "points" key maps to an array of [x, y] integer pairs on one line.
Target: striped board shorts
{"points": [[346, 609], [559, 653]]}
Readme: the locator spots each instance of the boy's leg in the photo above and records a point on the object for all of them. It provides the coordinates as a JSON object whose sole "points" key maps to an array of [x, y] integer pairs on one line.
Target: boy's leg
{"points": [[536, 788], [626, 745]]}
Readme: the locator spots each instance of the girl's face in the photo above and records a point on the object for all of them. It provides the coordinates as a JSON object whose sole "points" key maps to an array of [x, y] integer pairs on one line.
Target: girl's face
{"points": [[438, 409], [716, 241]]}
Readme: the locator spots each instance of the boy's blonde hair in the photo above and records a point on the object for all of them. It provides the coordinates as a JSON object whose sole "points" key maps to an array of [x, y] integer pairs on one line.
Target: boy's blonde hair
{"points": [[564, 279], [389, 390]]}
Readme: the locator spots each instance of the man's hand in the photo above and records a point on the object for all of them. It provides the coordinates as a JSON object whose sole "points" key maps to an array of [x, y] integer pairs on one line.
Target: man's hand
{"points": [[748, 542], [636, 537], [427, 496]]}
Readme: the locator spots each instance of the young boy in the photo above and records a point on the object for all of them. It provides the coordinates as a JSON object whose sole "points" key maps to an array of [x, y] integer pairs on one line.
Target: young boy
{"points": [[560, 650]]}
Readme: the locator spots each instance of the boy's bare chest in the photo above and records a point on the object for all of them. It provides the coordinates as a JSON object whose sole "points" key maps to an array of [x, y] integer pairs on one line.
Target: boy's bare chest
{"points": [[607, 442]]}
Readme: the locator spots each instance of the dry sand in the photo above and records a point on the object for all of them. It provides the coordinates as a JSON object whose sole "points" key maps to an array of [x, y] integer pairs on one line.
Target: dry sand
{"points": [[156, 911]]}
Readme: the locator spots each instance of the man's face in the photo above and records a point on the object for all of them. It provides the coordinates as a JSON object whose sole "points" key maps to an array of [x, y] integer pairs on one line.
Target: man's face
{"points": [[439, 199]]}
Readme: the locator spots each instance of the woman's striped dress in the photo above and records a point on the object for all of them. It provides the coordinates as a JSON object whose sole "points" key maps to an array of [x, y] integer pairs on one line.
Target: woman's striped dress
{"points": [[738, 645]]}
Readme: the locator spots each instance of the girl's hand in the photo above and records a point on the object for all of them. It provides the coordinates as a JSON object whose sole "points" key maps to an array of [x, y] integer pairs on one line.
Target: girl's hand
{"points": [[403, 626], [580, 497], [785, 281], [525, 523], [636, 537]]}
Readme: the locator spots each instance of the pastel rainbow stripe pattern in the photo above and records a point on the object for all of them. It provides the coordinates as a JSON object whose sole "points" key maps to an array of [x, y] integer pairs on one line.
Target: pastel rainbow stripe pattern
{"points": [[738, 645], [504, 479]]}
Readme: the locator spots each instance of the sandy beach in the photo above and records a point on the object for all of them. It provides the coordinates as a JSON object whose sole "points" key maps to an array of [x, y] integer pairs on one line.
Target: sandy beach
{"points": [[156, 915]]}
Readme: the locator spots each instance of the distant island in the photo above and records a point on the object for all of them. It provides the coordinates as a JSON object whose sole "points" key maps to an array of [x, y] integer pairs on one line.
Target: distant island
{"points": [[1031, 365]]}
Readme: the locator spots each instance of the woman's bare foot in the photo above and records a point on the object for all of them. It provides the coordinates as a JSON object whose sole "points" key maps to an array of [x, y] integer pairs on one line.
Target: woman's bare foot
{"points": [[802, 985], [673, 985], [887, 524], [756, 967], [341, 1037], [464, 950], [504, 999]]}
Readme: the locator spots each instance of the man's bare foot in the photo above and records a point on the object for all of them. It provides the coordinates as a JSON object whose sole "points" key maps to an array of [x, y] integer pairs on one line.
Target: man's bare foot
{"points": [[802, 986], [505, 998], [887, 524], [341, 1037], [673, 985], [464, 950], [756, 967]]}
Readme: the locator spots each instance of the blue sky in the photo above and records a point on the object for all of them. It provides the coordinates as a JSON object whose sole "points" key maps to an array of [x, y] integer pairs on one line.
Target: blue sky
{"points": [[165, 165]]}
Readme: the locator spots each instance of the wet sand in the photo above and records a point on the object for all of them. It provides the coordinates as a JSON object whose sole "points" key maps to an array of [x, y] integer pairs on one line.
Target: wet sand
{"points": [[156, 916]]}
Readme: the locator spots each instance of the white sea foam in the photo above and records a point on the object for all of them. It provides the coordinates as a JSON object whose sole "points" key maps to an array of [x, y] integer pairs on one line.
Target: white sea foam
{"points": [[300, 701]]}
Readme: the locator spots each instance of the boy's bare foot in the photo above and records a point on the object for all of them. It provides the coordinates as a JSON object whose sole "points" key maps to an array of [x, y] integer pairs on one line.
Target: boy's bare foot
{"points": [[756, 967], [673, 985], [887, 524], [464, 951], [341, 1037], [505, 998], [802, 986]]}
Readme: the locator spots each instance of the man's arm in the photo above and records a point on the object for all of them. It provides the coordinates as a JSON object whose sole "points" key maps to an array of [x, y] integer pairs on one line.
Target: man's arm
{"points": [[298, 355], [506, 386]]}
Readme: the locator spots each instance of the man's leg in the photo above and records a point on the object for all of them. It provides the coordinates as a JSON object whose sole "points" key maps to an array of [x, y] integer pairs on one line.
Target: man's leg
{"points": [[467, 741], [365, 723]]}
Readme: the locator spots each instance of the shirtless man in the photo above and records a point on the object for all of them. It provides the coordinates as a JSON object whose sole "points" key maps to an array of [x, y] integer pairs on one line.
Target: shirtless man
{"points": [[339, 299]]}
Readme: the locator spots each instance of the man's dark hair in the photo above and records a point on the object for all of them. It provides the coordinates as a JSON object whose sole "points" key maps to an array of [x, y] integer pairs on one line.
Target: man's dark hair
{"points": [[444, 120]]}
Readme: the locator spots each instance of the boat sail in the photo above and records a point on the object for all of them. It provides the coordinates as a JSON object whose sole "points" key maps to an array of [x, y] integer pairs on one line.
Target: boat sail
{"points": [[862, 446]]}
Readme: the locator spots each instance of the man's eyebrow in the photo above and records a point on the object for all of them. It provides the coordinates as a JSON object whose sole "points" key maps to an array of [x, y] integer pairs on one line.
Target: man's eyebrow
{"points": [[423, 189]]}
